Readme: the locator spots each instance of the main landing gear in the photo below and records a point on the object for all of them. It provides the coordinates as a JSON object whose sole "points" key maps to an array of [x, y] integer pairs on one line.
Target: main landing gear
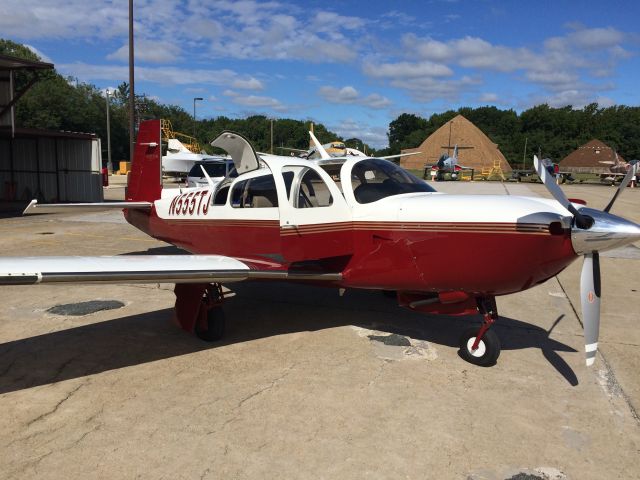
{"points": [[198, 309], [481, 346], [210, 324]]}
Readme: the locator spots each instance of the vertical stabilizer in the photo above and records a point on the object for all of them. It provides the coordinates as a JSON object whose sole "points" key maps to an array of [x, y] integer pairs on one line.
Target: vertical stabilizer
{"points": [[145, 179]]}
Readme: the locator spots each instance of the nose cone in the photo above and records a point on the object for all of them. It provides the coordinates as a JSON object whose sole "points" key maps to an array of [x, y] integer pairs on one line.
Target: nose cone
{"points": [[607, 232]]}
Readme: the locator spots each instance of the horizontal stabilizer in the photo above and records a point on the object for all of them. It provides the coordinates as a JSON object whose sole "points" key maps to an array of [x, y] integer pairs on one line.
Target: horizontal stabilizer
{"points": [[34, 207]]}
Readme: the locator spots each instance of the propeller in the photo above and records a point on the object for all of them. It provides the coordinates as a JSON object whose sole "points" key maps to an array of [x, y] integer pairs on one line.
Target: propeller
{"points": [[581, 220], [590, 286], [623, 184], [590, 301]]}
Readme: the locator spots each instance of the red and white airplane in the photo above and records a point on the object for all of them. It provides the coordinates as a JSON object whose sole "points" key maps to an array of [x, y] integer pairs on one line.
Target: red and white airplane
{"points": [[346, 222]]}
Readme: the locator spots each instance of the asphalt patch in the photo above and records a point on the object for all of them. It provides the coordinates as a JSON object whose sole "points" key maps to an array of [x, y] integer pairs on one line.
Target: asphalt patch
{"points": [[85, 308], [394, 340]]}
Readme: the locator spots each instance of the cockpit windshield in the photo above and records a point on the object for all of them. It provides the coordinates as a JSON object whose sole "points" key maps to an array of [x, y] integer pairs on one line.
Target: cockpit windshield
{"points": [[374, 179]]}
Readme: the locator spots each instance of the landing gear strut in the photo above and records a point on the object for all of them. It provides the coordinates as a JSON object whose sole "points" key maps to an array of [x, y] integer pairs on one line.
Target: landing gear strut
{"points": [[481, 346]]}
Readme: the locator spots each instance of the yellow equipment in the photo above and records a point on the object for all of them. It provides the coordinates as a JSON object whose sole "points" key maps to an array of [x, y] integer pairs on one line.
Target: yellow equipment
{"points": [[188, 141], [494, 171]]}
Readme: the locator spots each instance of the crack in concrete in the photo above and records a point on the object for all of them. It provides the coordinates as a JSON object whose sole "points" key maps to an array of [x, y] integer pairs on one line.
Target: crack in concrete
{"points": [[614, 388], [268, 387], [9, 367], [379, 373], [57, 406], [240, 404], [610, 374]]}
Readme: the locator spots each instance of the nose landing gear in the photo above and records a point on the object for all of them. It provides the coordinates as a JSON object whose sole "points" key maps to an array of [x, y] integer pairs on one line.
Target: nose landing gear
{"points": [[481, 346]]}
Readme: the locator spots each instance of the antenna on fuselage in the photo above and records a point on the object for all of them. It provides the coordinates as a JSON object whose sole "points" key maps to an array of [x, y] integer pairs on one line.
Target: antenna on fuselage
{"points": [[323, 153], [206, 175]]}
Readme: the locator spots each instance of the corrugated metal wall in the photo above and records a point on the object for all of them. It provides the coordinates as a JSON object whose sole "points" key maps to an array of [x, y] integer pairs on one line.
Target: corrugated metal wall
{"points": [[51, 169]]}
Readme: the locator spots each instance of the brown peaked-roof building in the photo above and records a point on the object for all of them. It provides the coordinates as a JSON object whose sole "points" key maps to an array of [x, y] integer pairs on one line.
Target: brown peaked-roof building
{"points": [[457, 131], [590, 157]]}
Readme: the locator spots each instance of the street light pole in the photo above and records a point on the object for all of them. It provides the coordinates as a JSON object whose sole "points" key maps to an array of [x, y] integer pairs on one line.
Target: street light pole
{"points": [[132, 96], [109, 165], [194, 114]]}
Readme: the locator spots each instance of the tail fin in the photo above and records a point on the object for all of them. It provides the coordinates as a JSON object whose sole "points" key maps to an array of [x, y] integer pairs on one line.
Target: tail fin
{"points": [[145, 179]]}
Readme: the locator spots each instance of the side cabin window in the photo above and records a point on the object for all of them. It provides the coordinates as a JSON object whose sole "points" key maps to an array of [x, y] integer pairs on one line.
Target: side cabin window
{"points": [[305, 187], [257, 192], [375, 179]]}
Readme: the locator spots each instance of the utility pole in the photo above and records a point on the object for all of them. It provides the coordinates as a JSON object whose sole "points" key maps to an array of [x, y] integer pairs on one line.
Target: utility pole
{"points": [[132, 95], [194, 114], [109, 165], [524, 155], [272, 136]]}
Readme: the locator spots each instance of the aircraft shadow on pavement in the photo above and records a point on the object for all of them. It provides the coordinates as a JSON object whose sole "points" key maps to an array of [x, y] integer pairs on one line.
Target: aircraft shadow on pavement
{"points": [[259, 310]]}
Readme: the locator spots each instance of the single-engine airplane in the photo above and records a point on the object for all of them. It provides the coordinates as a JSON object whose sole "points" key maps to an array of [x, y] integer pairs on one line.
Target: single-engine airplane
{"points": [[374, 227], [335, 149]]}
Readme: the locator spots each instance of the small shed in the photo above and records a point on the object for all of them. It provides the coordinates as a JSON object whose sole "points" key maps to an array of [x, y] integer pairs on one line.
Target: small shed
{"points": [[48, 165], [480, 152], [592, 157]]}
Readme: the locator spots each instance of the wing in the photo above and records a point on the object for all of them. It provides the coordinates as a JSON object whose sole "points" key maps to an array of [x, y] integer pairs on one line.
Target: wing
{"points": [[141, 269], [121, 269], [34, 207], [299, 150], [398, 155]]}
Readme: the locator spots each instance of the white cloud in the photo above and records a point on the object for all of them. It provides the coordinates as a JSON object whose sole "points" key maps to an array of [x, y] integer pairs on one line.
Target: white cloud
{"points": [[42, 56], [255, 101], [248, 84], [159, 75], [244, 29], [407, 70], [151, 51], [371, 135], [488, 98], [563, 68], [349, 95]]}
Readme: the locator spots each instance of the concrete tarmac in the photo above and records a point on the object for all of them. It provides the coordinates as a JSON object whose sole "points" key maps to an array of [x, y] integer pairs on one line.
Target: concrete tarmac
{"points": [[308, 384]]}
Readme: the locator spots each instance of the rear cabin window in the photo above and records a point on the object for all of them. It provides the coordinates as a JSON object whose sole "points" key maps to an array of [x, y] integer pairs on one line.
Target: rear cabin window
{"points": [[257, 192], [375, 179]]}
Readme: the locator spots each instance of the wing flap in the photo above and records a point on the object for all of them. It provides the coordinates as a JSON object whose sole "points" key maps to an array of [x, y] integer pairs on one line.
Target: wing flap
{"points": [[122, 269]]}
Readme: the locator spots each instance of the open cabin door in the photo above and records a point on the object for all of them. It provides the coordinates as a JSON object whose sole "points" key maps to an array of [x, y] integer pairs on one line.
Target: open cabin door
{"points": [[315, 220]]}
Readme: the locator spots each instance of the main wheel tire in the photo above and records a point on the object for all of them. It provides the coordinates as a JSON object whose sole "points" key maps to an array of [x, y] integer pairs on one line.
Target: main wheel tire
{"points": [[488, 349], [215, 326]]}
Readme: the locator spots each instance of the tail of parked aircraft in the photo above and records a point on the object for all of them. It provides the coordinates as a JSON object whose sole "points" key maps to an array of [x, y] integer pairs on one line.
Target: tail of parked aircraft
{"points": [[145, 179]]}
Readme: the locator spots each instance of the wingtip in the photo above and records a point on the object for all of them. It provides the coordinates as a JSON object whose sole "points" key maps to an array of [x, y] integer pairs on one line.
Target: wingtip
{"points": [[30, 207]]}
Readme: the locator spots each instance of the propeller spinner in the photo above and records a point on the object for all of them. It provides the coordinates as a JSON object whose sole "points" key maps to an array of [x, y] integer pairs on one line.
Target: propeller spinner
{"points": [[593, 231]]}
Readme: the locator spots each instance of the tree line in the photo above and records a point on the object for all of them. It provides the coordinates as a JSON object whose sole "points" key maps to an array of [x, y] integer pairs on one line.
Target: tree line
{"points": [[60, 103], [552, 132]]}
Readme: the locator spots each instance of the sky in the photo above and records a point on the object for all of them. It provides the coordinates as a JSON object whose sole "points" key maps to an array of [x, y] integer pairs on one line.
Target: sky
{"points": [[353, 66]]}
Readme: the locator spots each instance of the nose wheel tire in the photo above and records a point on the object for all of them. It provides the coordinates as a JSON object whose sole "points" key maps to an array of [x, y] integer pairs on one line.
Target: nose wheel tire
{"points": [[488, 349], [211, 329]]}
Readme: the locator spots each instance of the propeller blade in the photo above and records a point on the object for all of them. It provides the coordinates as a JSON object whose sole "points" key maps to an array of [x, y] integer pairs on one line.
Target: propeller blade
{"points": [[558, 194], [590, 299], [625, 181]]}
